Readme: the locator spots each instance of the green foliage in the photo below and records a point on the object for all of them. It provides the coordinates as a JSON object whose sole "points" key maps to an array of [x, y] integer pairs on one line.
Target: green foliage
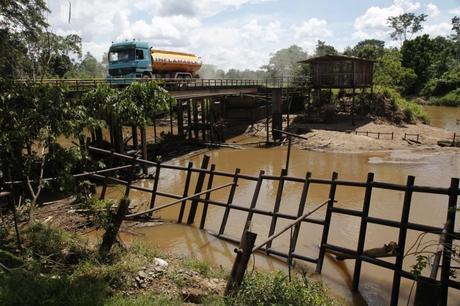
{"points": [[449, 81], [27, 288], [452, 98], [42, 240], [323, 49], [99, 211], [275, 289], [429, 58], [143, 300], [420, 264], [390, 73], [372, 49], [407, 23], [285, 62]]}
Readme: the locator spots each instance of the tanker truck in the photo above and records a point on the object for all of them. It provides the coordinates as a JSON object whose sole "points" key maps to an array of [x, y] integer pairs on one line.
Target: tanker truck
{"points": [[135, 59]]}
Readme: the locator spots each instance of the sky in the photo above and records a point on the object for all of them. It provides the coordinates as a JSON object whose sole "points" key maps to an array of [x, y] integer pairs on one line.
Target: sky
{"points": [[240, 34]]}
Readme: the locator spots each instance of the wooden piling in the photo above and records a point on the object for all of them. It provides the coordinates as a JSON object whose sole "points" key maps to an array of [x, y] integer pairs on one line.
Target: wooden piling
{"points": [[156, 181], [253, 204], [302, 202], [243, 254], [362, 230], [198, 188], [327, 222], [229, 202], [402, 240], [185, 193], [447, 253], [207, 197], [276, 207]]}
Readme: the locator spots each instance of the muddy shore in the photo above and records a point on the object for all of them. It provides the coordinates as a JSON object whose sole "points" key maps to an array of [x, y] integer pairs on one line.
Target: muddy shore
{"points": [[364, 136]]}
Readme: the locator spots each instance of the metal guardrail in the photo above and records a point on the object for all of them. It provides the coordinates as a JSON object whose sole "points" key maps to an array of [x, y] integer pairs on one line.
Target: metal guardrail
{"points": [[175, 84]]}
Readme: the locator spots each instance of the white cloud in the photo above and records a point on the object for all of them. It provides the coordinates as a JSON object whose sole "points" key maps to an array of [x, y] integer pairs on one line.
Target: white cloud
{"points": [[374, 22], [432, 10], [310, 31], [455, 11], [440, 29], [166, 31]]}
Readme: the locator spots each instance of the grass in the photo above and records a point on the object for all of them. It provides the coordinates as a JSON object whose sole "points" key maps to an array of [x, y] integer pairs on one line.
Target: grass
{"points": [[56, 268], [275, 289], [452, 98]]}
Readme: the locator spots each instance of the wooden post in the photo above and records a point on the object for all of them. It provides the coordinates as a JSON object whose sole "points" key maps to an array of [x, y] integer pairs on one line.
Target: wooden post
{"points": [[362, 231], [255, 196], [189, 119], [106, 178], [185, 193], [267, 120], [276, 208], [171, 117], [195, 119], [135, 140], [203, 118], [155, 129], [327, 222], [208, 196], [277, 116], [402, 240], [180, 119], [155, 186], [111, 233], [303, 200], [198, 188], [447, 253], [288, 155], [229, 202], [144, 149], [241, 262]]}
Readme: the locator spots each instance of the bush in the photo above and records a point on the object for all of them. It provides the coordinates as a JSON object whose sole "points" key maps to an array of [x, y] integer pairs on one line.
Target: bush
{"points": [[450, 99], [28, 288], [275, 289]]}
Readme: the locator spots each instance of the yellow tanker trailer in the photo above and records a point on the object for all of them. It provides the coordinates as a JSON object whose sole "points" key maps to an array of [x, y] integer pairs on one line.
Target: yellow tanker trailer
{"points": [[135, 59]]}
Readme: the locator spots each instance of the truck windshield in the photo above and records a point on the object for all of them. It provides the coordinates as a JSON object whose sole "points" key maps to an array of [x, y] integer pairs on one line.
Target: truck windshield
{"points": [[121, 55]]}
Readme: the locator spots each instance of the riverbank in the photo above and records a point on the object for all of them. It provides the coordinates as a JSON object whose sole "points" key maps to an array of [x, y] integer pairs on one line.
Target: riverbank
{"points": [[57, 267], [365, 135]]}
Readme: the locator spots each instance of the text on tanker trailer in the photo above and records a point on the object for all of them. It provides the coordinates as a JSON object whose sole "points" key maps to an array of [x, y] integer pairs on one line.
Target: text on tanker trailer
{"points": [[135, 59]]}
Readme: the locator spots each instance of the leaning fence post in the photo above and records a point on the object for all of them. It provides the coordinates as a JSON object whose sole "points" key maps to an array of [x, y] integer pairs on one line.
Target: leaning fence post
{"points": [[199, 186], [243, 254], [208, 196], [327, 222], [155, 186], [185, 193], [362, 230], [402, 240], [106, 178], [447, 253]]}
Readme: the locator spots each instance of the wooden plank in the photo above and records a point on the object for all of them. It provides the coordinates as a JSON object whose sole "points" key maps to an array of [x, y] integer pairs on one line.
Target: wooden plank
{"points": [[327, 223], [229, 201], [447, 253], [402, 240], [252, 206], [362, 231], [198, 188], [276, 207], [185, 193], [155, 186], [303, 200], [208, 195]]}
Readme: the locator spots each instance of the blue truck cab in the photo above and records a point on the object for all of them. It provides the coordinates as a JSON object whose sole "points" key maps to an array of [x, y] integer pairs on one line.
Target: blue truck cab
{"points": [[129, 59]]}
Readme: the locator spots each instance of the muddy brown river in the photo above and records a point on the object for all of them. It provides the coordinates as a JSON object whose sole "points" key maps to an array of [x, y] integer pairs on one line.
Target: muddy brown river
{"points": [[430, 168]]}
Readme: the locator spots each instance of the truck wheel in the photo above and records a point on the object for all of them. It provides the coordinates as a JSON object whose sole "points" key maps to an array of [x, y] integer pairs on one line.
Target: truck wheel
{"points": [[146, 76]]}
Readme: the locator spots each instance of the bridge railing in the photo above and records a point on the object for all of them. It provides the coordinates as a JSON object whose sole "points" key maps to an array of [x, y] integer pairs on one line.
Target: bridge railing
{"points": [[176, 84]]}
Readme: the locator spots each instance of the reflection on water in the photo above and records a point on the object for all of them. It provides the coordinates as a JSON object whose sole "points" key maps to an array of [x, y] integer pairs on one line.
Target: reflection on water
{"points": [[429, 168], [444, 117]]}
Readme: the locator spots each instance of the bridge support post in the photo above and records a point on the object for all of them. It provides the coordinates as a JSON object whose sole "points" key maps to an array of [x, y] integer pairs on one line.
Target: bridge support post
{"points": [[277, 115]]}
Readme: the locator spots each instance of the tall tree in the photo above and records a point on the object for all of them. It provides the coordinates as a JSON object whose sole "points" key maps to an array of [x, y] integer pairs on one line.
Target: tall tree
{"points": [[323, 49], [407, 23], [285, 62], [456, 36], [369, 49]]}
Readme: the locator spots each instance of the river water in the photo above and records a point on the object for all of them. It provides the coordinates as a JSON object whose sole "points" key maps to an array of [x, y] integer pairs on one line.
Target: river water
{"points": [[431, 168]]}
